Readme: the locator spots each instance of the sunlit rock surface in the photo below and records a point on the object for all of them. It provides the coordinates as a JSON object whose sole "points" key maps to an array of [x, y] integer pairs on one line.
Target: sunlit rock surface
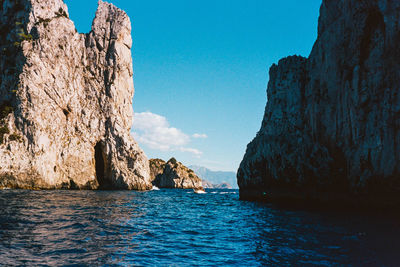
{"points": [[331, 124], [66, 100], [173, 174]]}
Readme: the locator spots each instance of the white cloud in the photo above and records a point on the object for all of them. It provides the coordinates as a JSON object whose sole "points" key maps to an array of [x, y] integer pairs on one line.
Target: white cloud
{"points": [[154, 131], [197, 135], [194, 151]]}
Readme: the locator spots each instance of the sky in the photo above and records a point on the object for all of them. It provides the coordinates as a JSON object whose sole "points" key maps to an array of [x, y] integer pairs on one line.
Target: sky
{"points": [[201, 70]]}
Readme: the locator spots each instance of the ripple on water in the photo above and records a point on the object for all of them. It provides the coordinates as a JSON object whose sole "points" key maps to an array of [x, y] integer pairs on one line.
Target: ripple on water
{"points": [[178, 226]]}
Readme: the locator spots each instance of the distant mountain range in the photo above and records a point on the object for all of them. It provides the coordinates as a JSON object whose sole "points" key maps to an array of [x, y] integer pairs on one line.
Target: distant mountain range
{"points": [[215, 177]]}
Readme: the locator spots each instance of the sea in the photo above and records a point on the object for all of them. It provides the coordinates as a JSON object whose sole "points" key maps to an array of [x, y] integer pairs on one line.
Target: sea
{"points": [[170, 227]]}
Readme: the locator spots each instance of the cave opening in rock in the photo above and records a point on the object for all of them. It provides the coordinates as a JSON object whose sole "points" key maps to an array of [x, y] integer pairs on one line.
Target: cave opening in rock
{"points": [[100, 167]]}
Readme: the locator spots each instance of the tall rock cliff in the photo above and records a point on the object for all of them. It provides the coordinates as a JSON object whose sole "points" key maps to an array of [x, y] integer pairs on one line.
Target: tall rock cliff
{"points": [[66, 99], [331, 127]]}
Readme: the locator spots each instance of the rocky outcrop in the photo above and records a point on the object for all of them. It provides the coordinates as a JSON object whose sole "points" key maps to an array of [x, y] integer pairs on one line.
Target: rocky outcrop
{"points": [[156, 168], [66, 100], [331, 124], [173, 174]]}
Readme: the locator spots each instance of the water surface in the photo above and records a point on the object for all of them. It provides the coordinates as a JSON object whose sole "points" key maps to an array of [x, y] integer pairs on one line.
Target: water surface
{"points": [[180, 228]]}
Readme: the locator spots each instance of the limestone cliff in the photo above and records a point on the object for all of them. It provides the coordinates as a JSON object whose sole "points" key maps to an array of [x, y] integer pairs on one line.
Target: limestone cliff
{"points": [[331, 124], [173, 174], [66, 99]]}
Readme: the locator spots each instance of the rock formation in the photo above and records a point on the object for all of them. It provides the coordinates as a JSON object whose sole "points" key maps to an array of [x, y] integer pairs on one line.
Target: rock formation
{"points": [[173, 174], [66, 100], [156, 168], [331, 124]]}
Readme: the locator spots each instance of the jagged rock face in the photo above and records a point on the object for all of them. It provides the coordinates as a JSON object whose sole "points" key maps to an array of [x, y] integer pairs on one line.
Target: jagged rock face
{"points": [[66, 100], [156, 168], [173, 174], [331, 124]]}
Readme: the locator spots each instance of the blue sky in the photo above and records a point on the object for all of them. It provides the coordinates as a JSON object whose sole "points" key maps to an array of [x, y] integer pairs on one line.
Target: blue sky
{"points": [[201, 70]]}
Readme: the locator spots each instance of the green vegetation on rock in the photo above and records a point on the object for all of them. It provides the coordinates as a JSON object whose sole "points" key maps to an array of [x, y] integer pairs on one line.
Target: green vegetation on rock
{"points": [[3, 130], [14, 137], [173, 161], [5, 109]]}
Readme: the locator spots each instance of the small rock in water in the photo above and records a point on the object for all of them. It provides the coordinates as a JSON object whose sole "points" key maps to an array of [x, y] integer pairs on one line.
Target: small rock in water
{"points": [[173, 174]]}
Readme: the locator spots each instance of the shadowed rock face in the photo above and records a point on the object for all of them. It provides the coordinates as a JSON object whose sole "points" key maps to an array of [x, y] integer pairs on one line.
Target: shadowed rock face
{"points": [[156, 168], [331, 124], [66, 100], [173, 174]]}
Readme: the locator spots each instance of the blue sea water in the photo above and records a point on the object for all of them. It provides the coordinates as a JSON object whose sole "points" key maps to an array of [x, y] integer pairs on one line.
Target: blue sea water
{"points": [[180, 228]]}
